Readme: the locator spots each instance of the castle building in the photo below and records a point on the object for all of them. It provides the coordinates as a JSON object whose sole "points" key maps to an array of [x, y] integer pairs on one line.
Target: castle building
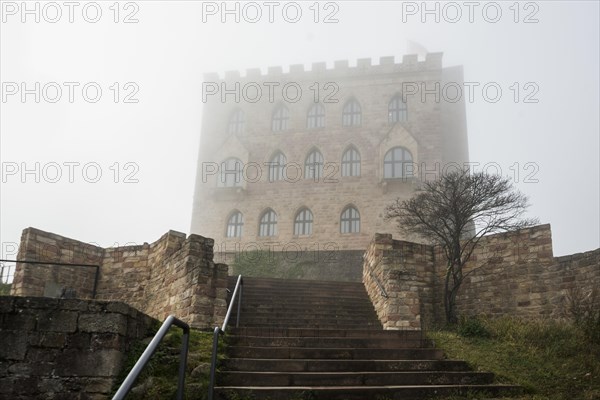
{"points": [[310, 159]]}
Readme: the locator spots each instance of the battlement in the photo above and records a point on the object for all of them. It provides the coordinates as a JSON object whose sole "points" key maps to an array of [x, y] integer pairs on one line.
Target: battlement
{"points": [[341, 68]]}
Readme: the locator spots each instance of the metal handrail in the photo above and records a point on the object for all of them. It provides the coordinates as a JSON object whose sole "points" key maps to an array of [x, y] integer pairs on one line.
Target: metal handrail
{"points": [[145, 357], [376, 279], [221, 330]]}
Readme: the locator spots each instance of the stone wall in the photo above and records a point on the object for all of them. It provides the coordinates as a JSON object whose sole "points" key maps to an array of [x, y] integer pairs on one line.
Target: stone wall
{"points": [[65, 348], [399, 279], [174, 275], [509, 274], [521, 277]]}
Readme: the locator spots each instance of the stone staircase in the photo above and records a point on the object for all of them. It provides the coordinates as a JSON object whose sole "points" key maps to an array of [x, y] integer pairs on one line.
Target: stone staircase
{"points": [[322, 340]]}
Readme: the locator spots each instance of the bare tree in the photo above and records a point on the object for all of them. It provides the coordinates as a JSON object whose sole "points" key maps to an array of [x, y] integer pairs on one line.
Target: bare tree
{"points": [[455, 212]]}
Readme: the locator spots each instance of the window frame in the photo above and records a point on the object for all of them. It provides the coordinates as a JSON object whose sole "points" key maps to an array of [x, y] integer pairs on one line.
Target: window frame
{"points": [[393, 163], [235, 222], [397, 110], [226, 171], [303, 226], [315, 118], [350, 220], [267, 227], [280, 119], [352, 113], [351, 167], [237, 122], [310, 163], [277, 165]]}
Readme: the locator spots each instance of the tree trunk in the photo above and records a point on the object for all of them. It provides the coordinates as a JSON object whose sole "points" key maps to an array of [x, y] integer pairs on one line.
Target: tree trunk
{"points": [[450, 296]]}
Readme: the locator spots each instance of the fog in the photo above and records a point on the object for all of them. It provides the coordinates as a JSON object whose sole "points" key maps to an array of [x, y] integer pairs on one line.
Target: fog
{"points": [[100, 117]]}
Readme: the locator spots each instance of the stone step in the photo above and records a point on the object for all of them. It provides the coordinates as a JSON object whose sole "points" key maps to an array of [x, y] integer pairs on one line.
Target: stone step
{"points": [[308, 314], [361, 392], [323, 365], [334, 353], [306, 332], [293, 298], [328, 342], [329, 324], [267, 307], [309, 320], [244, 378]]}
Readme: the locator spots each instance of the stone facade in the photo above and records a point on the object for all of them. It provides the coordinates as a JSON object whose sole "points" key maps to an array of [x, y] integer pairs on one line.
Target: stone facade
{"points": [[65, 348], [174, 275], [512, 274], [433, 132]]}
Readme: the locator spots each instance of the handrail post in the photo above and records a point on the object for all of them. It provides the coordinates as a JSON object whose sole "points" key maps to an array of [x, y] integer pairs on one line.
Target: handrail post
{"points": [[239, 309], [213, 363], [237, 295], [183, 363]]}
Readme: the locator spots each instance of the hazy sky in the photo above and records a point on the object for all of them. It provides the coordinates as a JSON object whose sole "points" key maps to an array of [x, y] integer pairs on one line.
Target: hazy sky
{"points": [[543, 131]]}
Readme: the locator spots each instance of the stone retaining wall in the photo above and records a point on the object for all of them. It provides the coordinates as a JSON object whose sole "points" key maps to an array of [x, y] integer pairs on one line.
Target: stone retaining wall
{"points": [[174, 275], [65, 348], [509, 274]]}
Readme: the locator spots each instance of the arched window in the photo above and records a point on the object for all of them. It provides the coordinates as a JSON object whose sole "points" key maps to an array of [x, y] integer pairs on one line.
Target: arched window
{"points": [[351, 115], [397, 163], [316, 117], [277, 167], [230, 174], [236, 122], [281, 116], [313, 165], [303, 222], [268, 224], [397, 110], [351, 162], [350, 220], [235, 223]]}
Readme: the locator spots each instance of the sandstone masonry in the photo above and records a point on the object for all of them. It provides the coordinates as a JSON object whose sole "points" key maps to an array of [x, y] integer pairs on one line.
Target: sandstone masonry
{"points": [[513, 274], [174, 275], [65, 348]]}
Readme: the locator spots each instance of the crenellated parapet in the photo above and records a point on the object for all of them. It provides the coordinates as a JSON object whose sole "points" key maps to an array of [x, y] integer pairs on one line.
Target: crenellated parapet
{"points": [[341, 68]]}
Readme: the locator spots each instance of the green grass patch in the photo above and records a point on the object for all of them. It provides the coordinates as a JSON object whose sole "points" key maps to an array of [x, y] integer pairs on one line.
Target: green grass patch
{"points": [[5, 289], [549, 359], [158, 380]]}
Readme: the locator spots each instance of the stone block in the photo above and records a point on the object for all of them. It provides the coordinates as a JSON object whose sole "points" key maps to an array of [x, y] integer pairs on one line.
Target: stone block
{"points": [[57, 321], [20, 321], [103, 323], [17, 348], [99, 363]]}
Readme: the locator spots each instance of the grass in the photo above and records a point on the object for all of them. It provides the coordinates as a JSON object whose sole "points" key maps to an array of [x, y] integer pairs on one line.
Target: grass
{"points": [[549, 359], [158, 380], [5, 289]]}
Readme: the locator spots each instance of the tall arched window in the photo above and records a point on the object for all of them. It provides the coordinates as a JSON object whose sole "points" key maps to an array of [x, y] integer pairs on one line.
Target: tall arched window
{"points": [[316, 116], [351, 162], [230, 174], [268, 224], [397, 163], [350, 220], [397, 110], [313, 165], [351, 115], [236, 122], [235, 223], [303, 222], [281, 116], [277, 167]]}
